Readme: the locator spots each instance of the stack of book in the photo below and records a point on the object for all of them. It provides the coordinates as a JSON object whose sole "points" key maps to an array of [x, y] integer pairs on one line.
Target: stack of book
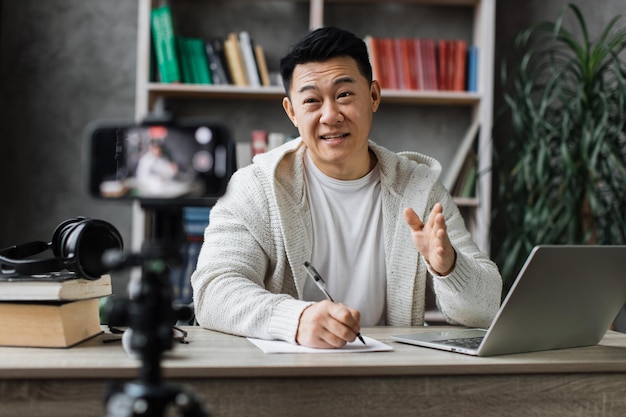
{"points": [[423, 64], [235, 59], [55, 310]]}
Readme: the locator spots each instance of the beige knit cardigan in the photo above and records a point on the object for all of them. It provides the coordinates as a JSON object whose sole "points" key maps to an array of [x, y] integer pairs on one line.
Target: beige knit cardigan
{"points": [[250, 275]]}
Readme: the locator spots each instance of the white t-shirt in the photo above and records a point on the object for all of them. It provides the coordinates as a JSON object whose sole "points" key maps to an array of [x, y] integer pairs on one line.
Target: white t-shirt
{"points": [[348, 246]]}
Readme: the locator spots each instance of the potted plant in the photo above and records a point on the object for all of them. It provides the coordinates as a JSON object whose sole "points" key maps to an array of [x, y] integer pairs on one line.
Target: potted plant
{"points": [[562, 171]]}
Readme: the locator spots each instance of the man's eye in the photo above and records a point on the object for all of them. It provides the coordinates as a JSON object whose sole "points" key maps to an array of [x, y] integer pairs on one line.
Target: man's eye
{"points": [[344, 94], [309, 101]]}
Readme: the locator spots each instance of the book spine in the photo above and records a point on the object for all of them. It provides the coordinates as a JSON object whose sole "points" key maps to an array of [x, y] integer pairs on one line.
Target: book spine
{"points": [[234, 60], [398, 64], [165, 45], [262, 65], [247, 53], [419, 64], [217, 61], [185, 61], [200, 61], [472, 68], [244, 154], [259, 141], [460, 65], [372, 51]]}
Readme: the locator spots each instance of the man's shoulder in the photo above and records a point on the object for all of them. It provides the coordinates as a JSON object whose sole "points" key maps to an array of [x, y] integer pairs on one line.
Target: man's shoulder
{"points": [[392, 161]]}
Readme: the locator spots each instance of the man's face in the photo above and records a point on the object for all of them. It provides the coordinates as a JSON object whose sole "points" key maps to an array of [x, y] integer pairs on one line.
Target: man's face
{"points": [[332, 105]]}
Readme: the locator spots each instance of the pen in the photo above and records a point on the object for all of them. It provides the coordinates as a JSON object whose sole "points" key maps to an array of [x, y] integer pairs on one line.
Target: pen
{"points": [[321, 284]]}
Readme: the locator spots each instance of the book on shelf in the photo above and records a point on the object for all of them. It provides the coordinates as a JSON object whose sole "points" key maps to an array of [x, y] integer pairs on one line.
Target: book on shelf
{"points": [[200, 62], [466, 182], [261, 62], [48, 324], [456, 165], [275, 139], [165, 48], [193, 61], [419, 64], [459, 71], [259, 141], [372, 51], [234, 60], [472, 68], [243, 151], [249, 60], [53, 287], [217, 61]]}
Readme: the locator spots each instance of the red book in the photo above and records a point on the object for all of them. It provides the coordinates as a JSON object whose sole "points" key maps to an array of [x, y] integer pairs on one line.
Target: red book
{"points": [[399, 60], [372, 48], [419, 64], [460, 66], [442, 64], [259, 142], [409, 64], [390, 78], [381, 64], [430, 61]]}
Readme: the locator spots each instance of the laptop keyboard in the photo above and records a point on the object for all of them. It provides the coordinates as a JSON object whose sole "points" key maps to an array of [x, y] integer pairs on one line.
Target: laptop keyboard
{"points": [[464, 342]]}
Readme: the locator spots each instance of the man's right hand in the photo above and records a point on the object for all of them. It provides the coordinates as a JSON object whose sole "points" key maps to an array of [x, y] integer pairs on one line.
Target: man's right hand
{"points": [[327, 325]]}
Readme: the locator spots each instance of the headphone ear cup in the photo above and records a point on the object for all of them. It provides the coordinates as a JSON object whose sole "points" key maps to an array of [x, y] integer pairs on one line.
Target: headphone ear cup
{"points": [[82, 242], [60, 235]]}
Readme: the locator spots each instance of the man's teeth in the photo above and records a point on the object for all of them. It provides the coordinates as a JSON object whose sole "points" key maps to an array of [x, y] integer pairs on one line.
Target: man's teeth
{"points": [[333, 136]]}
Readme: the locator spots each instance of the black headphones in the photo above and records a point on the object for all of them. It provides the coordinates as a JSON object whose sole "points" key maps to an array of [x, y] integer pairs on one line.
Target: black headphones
{"points": [[78, 245]]}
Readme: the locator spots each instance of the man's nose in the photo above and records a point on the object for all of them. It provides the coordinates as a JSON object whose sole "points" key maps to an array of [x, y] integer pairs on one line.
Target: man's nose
{"points": [[331, 113]]}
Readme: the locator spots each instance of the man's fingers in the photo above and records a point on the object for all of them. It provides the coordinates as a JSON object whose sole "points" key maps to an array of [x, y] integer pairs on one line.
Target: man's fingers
{"points": [[327, 325], [412, 219]]}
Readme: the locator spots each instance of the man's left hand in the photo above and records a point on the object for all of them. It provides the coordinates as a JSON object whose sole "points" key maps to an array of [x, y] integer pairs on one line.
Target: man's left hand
{"points": [[431, 239]]}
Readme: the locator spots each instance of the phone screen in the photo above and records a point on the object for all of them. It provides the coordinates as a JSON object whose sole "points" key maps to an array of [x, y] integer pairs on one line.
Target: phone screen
{"points": [[189, 162]]}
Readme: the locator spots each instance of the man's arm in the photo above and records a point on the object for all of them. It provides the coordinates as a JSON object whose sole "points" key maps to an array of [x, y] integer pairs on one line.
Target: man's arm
{"points": [[467, 283], [239, 279]]}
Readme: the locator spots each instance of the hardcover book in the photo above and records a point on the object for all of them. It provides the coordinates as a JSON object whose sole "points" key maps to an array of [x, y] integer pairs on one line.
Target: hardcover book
{"points": [[165, 48], [48, 324], [217, 61], [234, 60], [249, 60], [53, 287]]}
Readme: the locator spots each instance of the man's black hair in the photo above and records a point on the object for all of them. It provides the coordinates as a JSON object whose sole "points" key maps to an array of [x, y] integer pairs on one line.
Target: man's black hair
{"points": [[323, 44]]}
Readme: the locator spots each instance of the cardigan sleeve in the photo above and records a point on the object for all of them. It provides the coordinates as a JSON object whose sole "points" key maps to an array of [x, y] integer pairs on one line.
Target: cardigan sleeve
{"points": [[236, 286], [470, 295]]}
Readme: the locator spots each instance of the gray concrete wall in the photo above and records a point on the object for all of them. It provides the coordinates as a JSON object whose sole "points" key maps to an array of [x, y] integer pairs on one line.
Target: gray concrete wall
{"points": [[68, 62], [64, 64]]}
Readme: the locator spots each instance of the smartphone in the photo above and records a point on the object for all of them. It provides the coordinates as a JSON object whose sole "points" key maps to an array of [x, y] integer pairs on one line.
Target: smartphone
{"points": [[185, 162]]}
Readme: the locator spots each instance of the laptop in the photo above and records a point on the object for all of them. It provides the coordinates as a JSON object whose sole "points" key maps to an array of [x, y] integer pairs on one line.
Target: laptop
{"points": [[563, 297]]}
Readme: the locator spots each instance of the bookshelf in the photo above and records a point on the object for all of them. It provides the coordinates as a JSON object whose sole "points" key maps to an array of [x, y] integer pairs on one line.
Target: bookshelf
{"points": [[278, 23]]}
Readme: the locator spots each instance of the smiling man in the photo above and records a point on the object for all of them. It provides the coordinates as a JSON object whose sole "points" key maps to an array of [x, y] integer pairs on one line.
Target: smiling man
{"points": [[375, 224]]}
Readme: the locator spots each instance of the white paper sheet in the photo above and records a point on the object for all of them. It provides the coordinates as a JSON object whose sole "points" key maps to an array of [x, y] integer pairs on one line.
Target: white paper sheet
{"points": [[278, 346]]}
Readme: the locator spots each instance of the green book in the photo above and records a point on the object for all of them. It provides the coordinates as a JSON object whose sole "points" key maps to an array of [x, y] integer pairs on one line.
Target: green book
{"points": [[200, 61], [165, 48], [186, 64]]}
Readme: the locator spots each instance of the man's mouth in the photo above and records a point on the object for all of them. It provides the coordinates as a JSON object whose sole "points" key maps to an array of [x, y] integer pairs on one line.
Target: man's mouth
{"points": [[335, 136]]}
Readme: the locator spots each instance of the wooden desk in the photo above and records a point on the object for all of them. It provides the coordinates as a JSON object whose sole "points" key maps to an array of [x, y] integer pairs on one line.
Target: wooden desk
{"points": [[234, 378]]}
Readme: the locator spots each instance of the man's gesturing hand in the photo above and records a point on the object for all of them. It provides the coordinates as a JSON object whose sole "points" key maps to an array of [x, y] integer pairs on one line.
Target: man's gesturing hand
{"points": [[431, 239]]}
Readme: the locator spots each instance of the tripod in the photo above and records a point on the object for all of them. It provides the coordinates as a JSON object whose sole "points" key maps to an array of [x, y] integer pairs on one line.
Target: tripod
{"points": [[150, 316]]}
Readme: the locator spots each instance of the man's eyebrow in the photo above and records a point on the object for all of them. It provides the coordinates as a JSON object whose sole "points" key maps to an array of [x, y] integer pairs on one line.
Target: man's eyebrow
{"points": [[342, 80]]}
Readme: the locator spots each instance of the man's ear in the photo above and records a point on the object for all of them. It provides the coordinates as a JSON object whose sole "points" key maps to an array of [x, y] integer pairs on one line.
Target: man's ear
{"points": [[289, 110], [375, 95]]}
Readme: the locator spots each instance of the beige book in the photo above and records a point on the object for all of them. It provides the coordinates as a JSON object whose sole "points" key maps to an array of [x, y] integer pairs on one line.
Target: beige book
{"points": [[52, 324], [234, 60]]}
